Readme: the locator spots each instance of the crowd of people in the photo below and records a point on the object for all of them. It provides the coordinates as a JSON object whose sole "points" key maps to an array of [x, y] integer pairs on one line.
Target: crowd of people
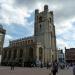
{"points": [[54, 66]]}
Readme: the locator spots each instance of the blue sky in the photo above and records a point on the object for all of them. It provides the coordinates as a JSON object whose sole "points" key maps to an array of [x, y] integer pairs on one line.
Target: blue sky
{"points": [[17, 17]]}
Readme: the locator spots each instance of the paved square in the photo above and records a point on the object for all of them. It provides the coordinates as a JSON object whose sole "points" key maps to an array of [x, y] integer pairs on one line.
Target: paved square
{"points": [[31, 71]]}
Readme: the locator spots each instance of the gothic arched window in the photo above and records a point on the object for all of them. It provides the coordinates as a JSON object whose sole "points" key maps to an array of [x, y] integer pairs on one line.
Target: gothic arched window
{"points": [[40, 19], [50, 20]]}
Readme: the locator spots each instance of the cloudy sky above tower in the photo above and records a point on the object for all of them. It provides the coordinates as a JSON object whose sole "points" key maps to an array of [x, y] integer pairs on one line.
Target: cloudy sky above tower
{"points": [[17, 17]]}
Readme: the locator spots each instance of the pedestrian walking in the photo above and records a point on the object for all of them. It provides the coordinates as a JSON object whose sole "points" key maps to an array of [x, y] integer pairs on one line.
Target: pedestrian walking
{"points": [[54, 68], [74, 69], [12, 66], [67, 66], [50, 64]]}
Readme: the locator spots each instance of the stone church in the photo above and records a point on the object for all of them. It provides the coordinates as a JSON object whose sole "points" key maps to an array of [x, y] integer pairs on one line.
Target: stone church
{"points": [[35, 49]]}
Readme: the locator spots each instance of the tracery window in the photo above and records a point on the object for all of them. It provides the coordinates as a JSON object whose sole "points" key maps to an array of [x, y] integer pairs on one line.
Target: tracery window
{"points": [[40, 19]]}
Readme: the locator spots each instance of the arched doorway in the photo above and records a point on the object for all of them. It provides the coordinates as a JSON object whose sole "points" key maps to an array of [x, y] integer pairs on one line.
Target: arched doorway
{"points": [[31, 58], [40, 54]]}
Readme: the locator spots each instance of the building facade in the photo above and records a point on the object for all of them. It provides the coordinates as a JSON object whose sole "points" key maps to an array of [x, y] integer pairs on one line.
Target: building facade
{"points": [[70, 55], [38, 48], [2, 35], [61, 56]]}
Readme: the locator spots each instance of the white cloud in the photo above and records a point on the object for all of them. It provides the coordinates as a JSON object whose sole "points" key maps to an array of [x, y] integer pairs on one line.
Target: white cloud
{"points": [[63, 27], [65, 33], [7, 1], [17, 11], [62, 44], [10, 14]]}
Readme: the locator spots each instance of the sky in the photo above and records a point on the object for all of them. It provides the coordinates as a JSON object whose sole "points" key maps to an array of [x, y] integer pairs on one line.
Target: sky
{"points": [[17, 17]]}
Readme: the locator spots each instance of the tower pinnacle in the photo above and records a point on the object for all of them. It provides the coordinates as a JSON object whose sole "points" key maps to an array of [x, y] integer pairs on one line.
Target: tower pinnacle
{"points": [[46, 8]]}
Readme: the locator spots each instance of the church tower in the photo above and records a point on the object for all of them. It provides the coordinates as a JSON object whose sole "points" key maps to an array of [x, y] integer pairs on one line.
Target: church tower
{"points": [[44, 31]]}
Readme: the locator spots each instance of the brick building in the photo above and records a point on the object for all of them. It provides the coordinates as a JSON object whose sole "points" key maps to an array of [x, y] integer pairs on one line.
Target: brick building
{"points": [[70, 55]]}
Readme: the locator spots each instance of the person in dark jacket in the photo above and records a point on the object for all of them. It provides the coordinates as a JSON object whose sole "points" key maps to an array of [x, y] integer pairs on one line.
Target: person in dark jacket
{"points": [[12, 65], [54, 68]]}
